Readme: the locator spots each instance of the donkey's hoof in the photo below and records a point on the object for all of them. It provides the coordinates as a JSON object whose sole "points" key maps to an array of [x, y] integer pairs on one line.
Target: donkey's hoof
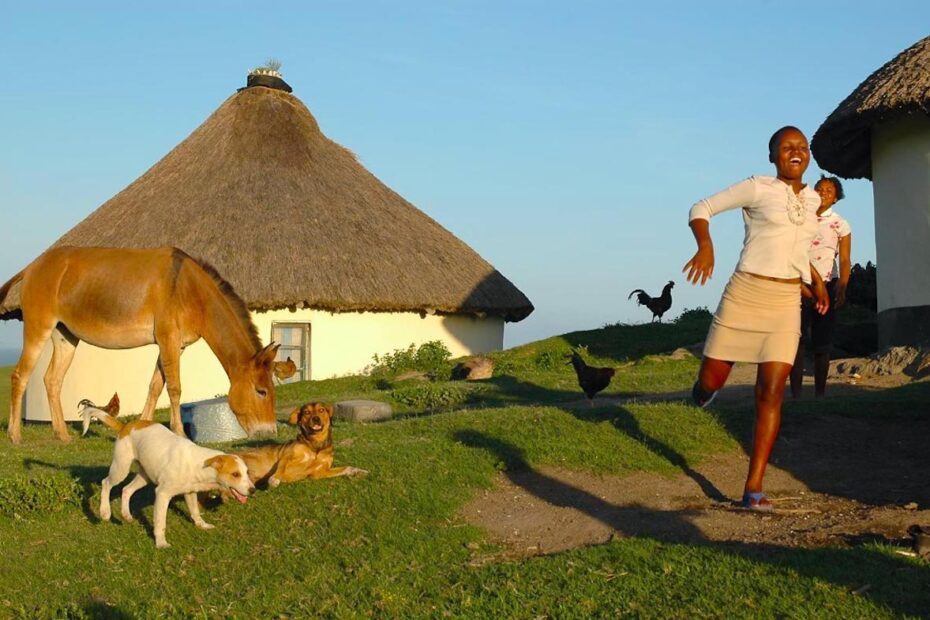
{"points": [[63, 437]]}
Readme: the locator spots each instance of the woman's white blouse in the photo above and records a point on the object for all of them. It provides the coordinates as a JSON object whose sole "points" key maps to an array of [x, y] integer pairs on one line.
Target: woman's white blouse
{"points": [[779, 225]]}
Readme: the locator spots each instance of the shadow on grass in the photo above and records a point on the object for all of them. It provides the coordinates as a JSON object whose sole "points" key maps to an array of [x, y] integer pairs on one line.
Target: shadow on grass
{"points": [[863, 444], [626, 422], [558, 493], [89, 478], [899, 584]]}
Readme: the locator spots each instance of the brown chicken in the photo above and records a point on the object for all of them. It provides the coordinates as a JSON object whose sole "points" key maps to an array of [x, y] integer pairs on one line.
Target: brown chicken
{"points": [[659, 305], [111, 408], [284, 370], [591, 379]]}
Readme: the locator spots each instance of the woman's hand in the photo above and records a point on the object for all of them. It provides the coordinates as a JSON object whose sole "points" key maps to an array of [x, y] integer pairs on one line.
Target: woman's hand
{"points": [[701, 265], [821, 297]]}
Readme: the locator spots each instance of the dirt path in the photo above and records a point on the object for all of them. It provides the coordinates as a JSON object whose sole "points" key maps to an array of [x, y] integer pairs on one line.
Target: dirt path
{"points": [[823, 495]]}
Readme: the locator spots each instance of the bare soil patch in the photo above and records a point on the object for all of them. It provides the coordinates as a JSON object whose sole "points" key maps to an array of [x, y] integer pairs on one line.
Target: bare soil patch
{"points": [[834, 481]]}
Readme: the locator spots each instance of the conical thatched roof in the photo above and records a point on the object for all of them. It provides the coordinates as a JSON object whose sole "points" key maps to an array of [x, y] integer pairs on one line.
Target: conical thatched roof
{"points": [[290, 218], [843, 143]]}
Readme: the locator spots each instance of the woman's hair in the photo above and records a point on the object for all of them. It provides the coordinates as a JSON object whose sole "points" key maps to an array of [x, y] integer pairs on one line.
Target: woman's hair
{"points": [[773, 141], [837, 186]]}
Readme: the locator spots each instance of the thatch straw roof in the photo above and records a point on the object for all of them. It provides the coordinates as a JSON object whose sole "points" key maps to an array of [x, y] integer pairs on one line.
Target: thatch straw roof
{"points": [[843, 143], [292, 219]]}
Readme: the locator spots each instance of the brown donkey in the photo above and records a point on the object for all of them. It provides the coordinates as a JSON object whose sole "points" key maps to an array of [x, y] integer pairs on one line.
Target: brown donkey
{"points": [[125, 298]]}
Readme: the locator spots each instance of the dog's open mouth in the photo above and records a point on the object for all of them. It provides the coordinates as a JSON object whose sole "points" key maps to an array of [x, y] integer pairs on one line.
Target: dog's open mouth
{"points": [[316, 428], [239, 496]]}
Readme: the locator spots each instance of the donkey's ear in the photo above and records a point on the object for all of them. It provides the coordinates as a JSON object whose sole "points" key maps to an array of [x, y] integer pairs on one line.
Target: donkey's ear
{"points": [[266, 356]]}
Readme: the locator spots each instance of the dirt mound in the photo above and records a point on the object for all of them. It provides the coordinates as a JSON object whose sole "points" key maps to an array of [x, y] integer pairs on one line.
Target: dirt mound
{"points": [[912, 362]]}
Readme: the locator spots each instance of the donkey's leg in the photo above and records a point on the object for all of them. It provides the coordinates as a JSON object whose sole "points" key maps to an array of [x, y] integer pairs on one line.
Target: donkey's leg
{"points": [[155, 387], [34, 337], [63, 346], [169, 347]]}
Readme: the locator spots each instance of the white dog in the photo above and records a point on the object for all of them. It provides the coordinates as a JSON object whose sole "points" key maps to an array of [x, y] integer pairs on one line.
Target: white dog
{"points": [[175, 464]]}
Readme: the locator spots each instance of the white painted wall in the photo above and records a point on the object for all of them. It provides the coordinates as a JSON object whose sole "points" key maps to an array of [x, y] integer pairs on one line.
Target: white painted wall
{"points": [[340, 344], [901, 186]]}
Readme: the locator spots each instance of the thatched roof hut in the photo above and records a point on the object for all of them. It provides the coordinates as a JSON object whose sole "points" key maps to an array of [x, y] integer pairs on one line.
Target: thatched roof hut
{"points": [[900, 88], [882, 132], [292, 219]]}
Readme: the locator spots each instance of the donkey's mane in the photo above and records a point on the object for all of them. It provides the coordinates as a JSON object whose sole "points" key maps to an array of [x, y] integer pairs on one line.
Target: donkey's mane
{"points": [[238, 305]]}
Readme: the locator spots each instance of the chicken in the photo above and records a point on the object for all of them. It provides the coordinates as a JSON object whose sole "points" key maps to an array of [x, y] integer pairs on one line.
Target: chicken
{"points": [[591, 379], [111, 408], [284, 370], [658, 305]]}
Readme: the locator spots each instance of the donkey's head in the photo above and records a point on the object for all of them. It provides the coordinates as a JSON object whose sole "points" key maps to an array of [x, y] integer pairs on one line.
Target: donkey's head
{"points": [[251, 392]]}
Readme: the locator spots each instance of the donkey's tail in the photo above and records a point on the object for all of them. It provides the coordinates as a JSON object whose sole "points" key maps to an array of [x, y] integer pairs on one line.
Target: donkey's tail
{"points": [[6, 287], [90, 410]]}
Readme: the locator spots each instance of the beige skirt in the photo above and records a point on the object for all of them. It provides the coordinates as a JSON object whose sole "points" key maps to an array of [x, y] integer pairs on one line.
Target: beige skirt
{"points": [[756, 321]]}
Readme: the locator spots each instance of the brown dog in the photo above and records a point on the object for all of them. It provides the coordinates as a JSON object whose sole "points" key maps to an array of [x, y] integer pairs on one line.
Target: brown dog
{"points": [[308, 456]]}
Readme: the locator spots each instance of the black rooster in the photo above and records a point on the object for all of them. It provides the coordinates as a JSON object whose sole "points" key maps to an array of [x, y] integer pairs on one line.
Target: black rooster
{"points": [[591, 379], [658, 305]]}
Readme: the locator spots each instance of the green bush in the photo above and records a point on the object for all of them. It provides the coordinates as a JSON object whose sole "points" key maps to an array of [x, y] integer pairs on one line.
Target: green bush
{"points": [[432, 396], [699, 315], [22, 494], [430, 357], [546, 360]]}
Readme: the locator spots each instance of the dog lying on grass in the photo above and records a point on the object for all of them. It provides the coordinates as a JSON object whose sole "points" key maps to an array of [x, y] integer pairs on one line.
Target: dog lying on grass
{"points": [[308, 456], [175, 464]]}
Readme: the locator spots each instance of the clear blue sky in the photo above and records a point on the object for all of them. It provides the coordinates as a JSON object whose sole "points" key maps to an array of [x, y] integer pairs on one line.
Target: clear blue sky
{"points": [[564, 141]]}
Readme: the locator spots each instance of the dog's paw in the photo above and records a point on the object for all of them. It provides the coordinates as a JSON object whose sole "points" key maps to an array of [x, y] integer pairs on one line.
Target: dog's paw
{"points": [[357, 471], [105, 513], [273, 482], [204, 525], [127, 518], [162, 544]]}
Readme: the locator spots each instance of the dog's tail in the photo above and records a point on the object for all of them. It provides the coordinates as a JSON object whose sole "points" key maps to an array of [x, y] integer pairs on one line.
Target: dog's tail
{"points": [[90, 410]]}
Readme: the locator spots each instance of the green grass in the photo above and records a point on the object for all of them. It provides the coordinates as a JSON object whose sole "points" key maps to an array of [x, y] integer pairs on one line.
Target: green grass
{"points": [[390, 544]]}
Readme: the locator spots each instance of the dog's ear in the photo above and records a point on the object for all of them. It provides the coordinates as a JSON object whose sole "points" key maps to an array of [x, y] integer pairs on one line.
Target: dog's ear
{"points": [[295, 415], [216, 462]]}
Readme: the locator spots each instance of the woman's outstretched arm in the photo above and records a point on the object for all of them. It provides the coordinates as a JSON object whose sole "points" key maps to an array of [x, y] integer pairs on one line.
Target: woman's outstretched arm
{"points": [[701, 266]]}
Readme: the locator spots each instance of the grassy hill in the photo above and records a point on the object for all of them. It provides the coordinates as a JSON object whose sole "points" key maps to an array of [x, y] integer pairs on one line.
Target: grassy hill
{"points": [[392, 544]]}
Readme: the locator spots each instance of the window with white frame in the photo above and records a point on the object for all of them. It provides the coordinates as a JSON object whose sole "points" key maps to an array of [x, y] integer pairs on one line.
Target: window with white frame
{"points": [[294, 339]]}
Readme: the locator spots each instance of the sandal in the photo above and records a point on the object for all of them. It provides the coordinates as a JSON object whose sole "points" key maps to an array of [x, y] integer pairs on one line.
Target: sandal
{"points": [[701, 398], [756, 502]]}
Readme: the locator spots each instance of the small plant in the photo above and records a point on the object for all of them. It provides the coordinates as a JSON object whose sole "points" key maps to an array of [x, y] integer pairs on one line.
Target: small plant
{"points": [[432, 396], [23, 494], [430, 357], [272, 66], [546, 360]]}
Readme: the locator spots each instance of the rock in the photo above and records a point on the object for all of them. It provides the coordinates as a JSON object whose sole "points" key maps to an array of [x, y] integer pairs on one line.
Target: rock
{"points": [[683, 353], [474, 369], [362, 410]]}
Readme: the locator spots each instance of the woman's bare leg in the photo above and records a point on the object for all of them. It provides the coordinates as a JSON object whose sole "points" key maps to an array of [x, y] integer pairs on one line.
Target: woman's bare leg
{"points": [[770, 392]]}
